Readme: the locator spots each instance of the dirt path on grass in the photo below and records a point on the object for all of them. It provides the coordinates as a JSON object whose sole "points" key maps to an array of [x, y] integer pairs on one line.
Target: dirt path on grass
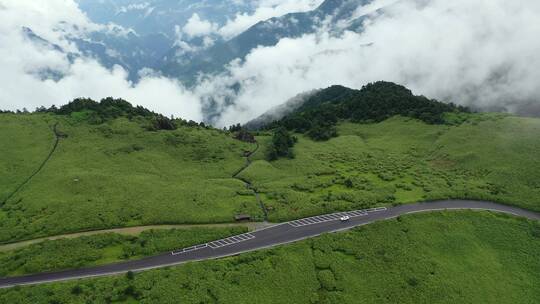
{"points": [[248, 183], [57, 136], [137, 229]]}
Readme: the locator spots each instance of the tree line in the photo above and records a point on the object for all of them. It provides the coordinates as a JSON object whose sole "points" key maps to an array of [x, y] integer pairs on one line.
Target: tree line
{"points": [[109, 108]]}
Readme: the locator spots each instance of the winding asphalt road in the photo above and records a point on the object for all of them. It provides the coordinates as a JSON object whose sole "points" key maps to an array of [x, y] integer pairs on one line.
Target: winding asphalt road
{"points": [[268, 237]]}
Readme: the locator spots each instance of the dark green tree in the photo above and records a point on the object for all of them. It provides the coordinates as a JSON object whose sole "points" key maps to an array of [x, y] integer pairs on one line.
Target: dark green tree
{"points": [[282, 144]]}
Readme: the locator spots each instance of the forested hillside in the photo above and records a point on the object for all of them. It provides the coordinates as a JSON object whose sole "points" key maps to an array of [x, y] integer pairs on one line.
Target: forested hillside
{"points": [[374, 103]]}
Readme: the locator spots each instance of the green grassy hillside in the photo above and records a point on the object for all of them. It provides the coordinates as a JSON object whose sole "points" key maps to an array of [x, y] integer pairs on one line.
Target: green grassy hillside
{"points": [[402, 160], [26, 141], [116, 173], [93, 166], [448, 257], [119, 174]]}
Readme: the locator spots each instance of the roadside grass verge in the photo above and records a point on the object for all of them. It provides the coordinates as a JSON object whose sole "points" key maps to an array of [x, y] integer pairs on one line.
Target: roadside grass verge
{"points": [[104, 249], [439, 257]]}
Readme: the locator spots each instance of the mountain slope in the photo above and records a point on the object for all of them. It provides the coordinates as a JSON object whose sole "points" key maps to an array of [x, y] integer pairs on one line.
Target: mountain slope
{"points": [[116, 172], [264, 33], [317, 114], [301, 103], [280, 111], [116, 165], [402, 160], [150, 34]]}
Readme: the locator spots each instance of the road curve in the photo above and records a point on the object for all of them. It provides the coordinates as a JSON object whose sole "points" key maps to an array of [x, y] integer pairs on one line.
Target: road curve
{"points": [[264, 238]]}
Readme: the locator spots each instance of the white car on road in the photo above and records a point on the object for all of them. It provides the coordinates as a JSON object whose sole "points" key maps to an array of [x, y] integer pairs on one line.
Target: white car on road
{"points": [[345, 218]]}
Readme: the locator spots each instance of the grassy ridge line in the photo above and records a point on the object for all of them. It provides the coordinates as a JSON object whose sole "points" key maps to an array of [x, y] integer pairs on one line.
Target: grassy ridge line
{"points": [[132, 177], [55, 145]]}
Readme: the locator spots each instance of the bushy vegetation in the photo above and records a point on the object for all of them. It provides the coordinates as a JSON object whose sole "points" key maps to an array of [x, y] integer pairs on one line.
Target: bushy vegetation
{"points": [[104, 248], [403, 160], [244, 135], [375, 102], [448, 257], [282, 145], [116, 174], [93, 112], [108, 108]]}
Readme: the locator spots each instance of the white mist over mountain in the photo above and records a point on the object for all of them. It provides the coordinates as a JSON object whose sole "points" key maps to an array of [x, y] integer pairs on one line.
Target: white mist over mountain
{"points": [[475, 52]]}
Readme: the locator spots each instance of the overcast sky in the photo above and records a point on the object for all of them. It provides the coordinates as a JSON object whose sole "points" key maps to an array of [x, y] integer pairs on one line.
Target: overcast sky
{"points": [[479, 52]]}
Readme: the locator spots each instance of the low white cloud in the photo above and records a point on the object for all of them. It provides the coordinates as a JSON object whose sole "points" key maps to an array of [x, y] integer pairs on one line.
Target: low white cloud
{"points": [[265, 9], [482, 53], [118, 30], [196, 27], [24, 62], [372, 7], [49, 19], [133, 7]]}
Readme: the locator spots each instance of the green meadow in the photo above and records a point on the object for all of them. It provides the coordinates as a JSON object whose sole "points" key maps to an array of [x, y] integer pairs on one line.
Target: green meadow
{"points": [[120, 174], [402, 160], [26, 141], [441, 257], [116, 174]]}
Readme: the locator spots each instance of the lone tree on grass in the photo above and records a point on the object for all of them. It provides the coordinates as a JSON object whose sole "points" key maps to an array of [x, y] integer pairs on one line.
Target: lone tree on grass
{"points": [[282, 144]]}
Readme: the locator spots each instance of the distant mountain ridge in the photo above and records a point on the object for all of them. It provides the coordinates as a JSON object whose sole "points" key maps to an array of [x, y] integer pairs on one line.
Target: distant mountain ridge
{"points": [[140, 34], [143, 38], [264, 33]]}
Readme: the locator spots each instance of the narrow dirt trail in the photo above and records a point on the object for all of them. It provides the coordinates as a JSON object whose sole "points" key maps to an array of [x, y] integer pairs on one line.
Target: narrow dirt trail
{"points": [[248, 183], [136, 230], [57, 137]]}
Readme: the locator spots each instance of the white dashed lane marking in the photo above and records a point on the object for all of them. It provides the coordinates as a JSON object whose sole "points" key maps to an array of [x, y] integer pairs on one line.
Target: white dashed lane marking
{"points": [[192, 248], [231, 240], [217, 244], [297, 223], [332, 217]]}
